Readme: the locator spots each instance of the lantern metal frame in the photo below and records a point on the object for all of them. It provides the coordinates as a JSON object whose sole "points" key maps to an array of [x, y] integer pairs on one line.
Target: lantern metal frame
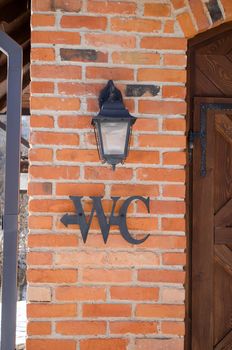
{"points": [[112, 109]]}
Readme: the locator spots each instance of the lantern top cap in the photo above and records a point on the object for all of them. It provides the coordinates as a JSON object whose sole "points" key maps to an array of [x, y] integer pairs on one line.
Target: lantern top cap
{"points": [[111, 105], [110, 94]]}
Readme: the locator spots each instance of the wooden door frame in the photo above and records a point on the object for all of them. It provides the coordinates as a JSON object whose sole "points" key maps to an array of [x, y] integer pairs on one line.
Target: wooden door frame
{"points": [[194, 43]]}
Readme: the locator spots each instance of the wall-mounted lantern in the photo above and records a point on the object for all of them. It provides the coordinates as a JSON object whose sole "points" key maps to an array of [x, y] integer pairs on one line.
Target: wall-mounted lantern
{"points": [[113, 126]]}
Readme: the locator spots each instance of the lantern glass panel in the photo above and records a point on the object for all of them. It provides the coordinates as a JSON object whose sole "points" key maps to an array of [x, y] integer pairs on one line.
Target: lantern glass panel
{"points": [[114, 135]]}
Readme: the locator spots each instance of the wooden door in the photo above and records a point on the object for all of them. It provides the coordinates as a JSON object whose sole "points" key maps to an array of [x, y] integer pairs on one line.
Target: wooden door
{"points": [[212, 225]]}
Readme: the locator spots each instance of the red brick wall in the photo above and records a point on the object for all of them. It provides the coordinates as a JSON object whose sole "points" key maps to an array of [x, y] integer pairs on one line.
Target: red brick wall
{"points": [[115, 296]]}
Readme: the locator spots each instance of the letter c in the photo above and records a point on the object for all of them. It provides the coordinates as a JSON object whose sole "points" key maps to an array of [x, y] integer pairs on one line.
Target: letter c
{"points": [[122, 216]]}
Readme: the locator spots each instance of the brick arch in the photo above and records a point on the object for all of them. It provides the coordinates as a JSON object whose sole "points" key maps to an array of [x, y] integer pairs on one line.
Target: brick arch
{"points": [[196, 16]]}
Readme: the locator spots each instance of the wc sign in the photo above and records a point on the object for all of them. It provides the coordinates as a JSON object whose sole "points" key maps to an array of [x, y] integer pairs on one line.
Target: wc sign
{"points": [[105, 223]]}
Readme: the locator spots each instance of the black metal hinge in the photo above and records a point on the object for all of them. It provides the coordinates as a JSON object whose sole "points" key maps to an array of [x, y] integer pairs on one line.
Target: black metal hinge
{"points": [[191, 138]]}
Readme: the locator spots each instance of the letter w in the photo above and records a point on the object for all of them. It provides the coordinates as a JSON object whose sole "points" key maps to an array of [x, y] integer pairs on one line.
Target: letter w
{"points": [[81, 220]]}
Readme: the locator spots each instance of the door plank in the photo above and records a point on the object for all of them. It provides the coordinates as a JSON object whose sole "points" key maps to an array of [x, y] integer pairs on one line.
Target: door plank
{"points": [[224, 126], [218, 69], [224, 215], [203, 222], [225, 343], [223, 235], [224, 256]]}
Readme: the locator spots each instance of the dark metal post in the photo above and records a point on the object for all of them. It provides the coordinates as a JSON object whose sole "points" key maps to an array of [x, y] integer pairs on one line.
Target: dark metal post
{"points": [[11, 207]]}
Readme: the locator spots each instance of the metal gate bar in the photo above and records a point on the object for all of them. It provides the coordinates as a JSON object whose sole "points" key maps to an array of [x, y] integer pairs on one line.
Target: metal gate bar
{"points": [[11, 207]]}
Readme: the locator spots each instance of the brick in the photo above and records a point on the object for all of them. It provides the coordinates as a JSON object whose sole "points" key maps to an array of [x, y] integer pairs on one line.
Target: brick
{"points": [[83, 55], [86, 22], [144, 157], [41, 121], [174, 60], [40, 222], [199, 13], [186, 24], [166, 75], [162, 107], [133, 327], [106, 310], [77, 155], [165, 242], [138, 90], [174, 258], [135, 25], [52, 240], [163, 207], [130, 190], [89, 138], [38, 188], [110, 7], [39, 328], [178, 4], [134, 293], [39, 294], [39, 87], [174, 124], [42, 54], [164, 43], [80, 258], [173, 91], [54, 103], [81, 328], [80, 293], [160, 311], [169, 27], [80, 189], [40, 154], [159, 344], [107, 276], [52, 276], [177, 191], [74, 122], [227, 5], [157, 10], [151, 174], [174, 328], [132, 259], [39, 258], [54, 138], [173, 295], [142, 224], [55, 71], [174, 158], [54, 172], [53, 37], [214, 10], [140, 58], [173, 224], [109, 73], [51, 310], [42, 20], [51, 344], [146, 124], [110, 40], [165, 141], [51, 205], [105, 173], [79, 89], [53, 5], [167, 276]]}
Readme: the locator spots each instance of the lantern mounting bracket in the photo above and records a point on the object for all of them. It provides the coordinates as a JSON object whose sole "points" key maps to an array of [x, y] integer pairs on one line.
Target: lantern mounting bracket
{"points": [[110, 94]]}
